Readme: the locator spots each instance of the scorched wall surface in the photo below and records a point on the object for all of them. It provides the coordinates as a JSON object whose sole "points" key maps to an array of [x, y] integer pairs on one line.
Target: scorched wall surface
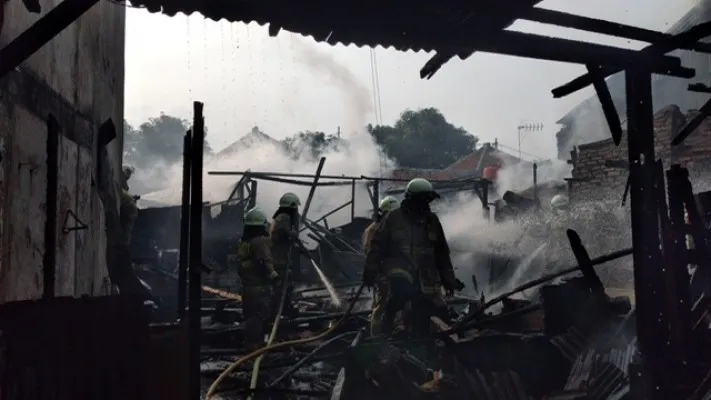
{"points": [[78, 77]]}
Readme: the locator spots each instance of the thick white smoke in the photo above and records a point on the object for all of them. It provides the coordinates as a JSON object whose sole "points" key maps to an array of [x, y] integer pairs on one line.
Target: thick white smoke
{"points": [[260, 153]]}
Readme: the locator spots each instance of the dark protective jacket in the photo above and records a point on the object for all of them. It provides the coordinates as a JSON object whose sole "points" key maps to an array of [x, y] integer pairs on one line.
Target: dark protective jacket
{"points": [[281, 232], [413, 247], [256, 268], [128, 214]]}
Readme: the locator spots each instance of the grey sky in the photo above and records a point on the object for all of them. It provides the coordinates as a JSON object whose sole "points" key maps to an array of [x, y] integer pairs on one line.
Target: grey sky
{"points": [[246, 78]]}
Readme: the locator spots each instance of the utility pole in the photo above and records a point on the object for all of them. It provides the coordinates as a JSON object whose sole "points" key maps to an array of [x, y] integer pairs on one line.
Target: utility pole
{"points": [[527, 127]]}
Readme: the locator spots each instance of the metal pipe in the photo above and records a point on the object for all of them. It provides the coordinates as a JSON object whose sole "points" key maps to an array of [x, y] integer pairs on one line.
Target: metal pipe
{"points": [[535, 181], [335, 210], [184, 229], [312, 191], [49, 260], [196, 215], [353, 195], [261, 175], [253, 194]]}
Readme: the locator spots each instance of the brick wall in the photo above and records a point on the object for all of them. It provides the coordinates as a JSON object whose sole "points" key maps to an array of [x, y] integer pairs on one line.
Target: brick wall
{"points": [[593, 180]]}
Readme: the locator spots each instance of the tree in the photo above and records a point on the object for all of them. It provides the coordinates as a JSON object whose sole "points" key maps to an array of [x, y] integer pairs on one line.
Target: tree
{"points": [[160, 139], [313, 144], [423, 139]]}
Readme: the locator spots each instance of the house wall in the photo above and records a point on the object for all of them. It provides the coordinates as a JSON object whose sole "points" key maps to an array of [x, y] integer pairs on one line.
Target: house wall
{"points": [[78, 77], [592, 180]]}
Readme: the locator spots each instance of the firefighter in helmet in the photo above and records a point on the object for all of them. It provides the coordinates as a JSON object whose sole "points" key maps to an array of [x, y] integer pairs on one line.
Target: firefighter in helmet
{"points": [[410, 250], [558, 244], [129, 210], [256, 271], [284, 233], [386, 205]]}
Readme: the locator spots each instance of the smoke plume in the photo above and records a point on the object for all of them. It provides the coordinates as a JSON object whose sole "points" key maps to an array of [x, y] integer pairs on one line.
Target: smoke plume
{"points": [[356, 155]]}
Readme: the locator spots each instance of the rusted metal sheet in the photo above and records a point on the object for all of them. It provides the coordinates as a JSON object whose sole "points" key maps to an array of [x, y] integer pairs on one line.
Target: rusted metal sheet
{"points": [[65, 348]]}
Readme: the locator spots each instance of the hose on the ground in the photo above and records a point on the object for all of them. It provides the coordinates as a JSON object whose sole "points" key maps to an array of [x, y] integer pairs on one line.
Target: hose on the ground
{"points": [[213, 388], [307, 357], [272, 335]]}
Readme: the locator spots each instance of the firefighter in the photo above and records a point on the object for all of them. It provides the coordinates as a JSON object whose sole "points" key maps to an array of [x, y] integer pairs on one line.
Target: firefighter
{"points": [[558, 244], [284, 233], [386, 205], [258, 277], [128, 210], [410, 250]]}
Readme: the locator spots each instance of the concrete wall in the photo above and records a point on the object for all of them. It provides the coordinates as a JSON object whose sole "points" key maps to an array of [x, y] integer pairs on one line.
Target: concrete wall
{"points": [[594, 181], [78, 77]]}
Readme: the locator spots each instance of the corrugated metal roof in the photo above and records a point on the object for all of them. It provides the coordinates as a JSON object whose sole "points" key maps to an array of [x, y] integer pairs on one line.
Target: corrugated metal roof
{"points": [[420, 25]]}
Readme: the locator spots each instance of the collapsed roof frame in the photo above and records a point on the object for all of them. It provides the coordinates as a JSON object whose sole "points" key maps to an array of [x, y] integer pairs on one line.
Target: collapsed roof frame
{"points": [[372, 184], [464, 27]]}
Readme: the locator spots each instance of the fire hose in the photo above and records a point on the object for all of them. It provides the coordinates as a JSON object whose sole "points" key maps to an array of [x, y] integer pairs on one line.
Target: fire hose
{"points": [[213, 388], [309, 356]]}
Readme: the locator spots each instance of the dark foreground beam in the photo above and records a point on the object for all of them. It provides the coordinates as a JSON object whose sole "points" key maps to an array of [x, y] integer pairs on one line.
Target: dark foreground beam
{"points": [[528, 45], [579, 22], [692, 35], [41, 32], [694, 123]]}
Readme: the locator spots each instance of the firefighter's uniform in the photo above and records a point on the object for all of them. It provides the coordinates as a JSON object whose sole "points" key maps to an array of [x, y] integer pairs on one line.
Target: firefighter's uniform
{"points": [[283, 236], [381, 287], [410, 250], [256, 271], [558, 251]]}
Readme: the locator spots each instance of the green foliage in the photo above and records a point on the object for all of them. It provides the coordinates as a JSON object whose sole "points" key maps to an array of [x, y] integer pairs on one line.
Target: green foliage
{"points": [[160, 139], [313, 144], [423, 139]]}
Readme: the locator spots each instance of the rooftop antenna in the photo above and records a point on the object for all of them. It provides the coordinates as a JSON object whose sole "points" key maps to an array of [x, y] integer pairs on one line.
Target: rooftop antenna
{"points": [[527, 127]]}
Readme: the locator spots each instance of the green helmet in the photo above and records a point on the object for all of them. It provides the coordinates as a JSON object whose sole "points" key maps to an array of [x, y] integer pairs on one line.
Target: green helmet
{"points": [[255, 217], [419, 186], [388, 204], [560, 202], [289, 200]]}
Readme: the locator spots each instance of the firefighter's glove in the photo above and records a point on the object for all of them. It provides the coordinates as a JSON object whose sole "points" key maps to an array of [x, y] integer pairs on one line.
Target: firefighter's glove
{"points": [[369, 278]]}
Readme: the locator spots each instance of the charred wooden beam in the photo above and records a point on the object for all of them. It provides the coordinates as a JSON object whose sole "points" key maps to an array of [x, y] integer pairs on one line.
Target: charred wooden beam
{"points": [[196, 216], [567, 20], [312, 191], [41, 32], [585, 263], [647, 256], [183, 257], [693, 124], [529, 45], [608, 106], [699, 88], [690, 36], [49, 259]]}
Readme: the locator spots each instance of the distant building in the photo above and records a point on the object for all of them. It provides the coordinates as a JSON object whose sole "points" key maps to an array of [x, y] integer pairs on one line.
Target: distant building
{"points": [[488, 157], [586, 123]]}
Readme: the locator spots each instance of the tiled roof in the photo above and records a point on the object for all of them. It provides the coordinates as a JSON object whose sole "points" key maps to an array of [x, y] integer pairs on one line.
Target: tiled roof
{"points": [[418, 25], [460, 169]]}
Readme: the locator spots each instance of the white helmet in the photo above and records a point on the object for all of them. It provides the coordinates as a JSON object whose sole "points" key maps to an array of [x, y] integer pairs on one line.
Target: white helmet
{"points": [[560, 202], [388, 204]]}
